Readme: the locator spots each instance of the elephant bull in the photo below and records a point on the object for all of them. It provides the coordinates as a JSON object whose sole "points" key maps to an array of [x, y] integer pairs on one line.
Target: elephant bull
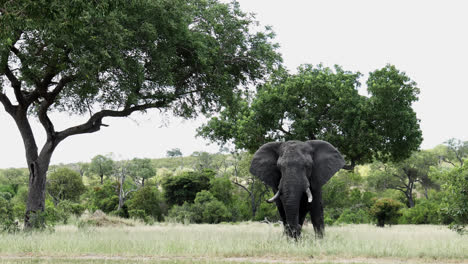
{"points": [[296, 171]]}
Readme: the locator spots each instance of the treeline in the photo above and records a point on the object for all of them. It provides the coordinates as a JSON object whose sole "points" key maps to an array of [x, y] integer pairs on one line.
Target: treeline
{"points": [[430, 187]]}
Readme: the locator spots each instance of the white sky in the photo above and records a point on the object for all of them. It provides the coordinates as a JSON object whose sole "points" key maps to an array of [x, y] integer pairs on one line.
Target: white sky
{"points": [[426, 39]]}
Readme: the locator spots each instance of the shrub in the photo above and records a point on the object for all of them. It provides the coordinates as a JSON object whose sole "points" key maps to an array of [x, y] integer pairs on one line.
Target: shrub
{"points": [[65, 184], [184, 187], [146, 202], [424, 212], [221, 188], [104, 197], [206, 209], [182, 214], [7, 220], [386, 211], [267, 211], [350, 216], [456, 197]]}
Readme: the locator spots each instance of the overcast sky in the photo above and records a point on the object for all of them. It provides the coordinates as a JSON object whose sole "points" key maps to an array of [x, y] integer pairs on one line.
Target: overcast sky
{"points": [[426, 39]]}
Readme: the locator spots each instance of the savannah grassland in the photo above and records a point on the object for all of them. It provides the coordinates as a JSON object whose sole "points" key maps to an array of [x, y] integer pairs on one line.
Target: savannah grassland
{"points": [[240, 243]]}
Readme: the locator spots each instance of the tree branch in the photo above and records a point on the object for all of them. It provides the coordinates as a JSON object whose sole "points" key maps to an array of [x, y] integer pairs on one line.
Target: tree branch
{"points": [[243, 187], [49, 100], [10, 108], [16, 84], [95, 121]]}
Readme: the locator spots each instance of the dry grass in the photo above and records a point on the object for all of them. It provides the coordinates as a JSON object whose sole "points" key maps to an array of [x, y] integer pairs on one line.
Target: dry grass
{"points": [[245, 241]]}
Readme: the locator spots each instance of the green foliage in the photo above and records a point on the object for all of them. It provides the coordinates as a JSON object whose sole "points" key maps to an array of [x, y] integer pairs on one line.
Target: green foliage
{"points": [[267, 211], [221, 188], [455, 200], [104, 198], [146, 202], [65, 184], [175, 152], [404, 175], [324, 103], [184, 187], [210, 210], [424, 212], [141, 170], [354, 216], [386, 211], [7, 219], [205, 209], [102, 166]]}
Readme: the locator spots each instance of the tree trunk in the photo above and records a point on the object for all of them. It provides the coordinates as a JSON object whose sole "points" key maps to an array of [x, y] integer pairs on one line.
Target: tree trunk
{"points": [[121, 191], [35, 204], [254, 206], [102, 178], [143, 182]]}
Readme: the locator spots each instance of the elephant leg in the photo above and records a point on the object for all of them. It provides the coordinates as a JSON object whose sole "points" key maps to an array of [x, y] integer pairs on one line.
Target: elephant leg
{"points": [[316, 213]]}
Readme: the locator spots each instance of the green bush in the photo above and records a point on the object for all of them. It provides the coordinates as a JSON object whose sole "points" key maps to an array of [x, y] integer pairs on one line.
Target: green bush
{"points": [[210, 210], [147, 200], [267, 211], [221, 188], [182, 214], [205, 209], [104, 197], [455, 200], [65, 184], [7, 219], [350, 216], [424, 212], [386, 211], [184, 187]]}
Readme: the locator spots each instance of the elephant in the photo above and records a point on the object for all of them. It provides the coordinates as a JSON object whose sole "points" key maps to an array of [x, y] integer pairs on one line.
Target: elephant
{"points": [[296, 171]]}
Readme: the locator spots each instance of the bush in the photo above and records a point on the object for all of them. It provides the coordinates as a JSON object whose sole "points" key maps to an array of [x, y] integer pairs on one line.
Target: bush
{"points": [[386, 211], [146, 204], [221, 188], [350, 216], [7, 220], [456, 197], [424, 212], [104, 197], [210, 210], [184, 187], [267, 211], [206, 209], [182, 214], [65, 184]]}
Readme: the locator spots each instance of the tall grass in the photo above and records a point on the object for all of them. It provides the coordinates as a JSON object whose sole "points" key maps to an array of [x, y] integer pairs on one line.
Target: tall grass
{"points": [[243, 240]]}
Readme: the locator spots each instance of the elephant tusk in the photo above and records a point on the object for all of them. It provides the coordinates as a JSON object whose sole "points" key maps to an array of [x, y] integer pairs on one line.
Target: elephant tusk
{"points": [[309, 195], [272, 199]]}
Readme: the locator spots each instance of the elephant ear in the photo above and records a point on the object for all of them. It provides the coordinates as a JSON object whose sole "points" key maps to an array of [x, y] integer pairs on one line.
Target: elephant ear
{"points": [[327, 160], [264, 164]]}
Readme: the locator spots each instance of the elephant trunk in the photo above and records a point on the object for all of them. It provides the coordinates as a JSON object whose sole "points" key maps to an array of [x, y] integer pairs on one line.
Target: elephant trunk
{"points": [[291, 204]]}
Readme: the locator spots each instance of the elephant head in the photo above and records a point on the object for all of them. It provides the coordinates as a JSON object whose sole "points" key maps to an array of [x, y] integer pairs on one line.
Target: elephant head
{"points": [[296, 171]]}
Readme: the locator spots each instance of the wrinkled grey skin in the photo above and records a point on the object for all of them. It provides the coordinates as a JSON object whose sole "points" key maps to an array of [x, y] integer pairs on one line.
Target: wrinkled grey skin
{"points": [[292, 167]]}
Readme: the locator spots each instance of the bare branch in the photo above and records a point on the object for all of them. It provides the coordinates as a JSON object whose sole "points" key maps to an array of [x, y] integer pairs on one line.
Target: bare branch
{"points": [[95, 121], [243, 187]]}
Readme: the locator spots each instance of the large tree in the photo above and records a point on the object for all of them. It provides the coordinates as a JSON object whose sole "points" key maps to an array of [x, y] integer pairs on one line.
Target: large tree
{"points": [[323, 103], [404, 176], [111, 58], [102, 166]]}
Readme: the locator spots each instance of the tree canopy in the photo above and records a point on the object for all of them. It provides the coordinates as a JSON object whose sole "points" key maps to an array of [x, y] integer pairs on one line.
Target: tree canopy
{"points": [[113, 58], [323, 103]]}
